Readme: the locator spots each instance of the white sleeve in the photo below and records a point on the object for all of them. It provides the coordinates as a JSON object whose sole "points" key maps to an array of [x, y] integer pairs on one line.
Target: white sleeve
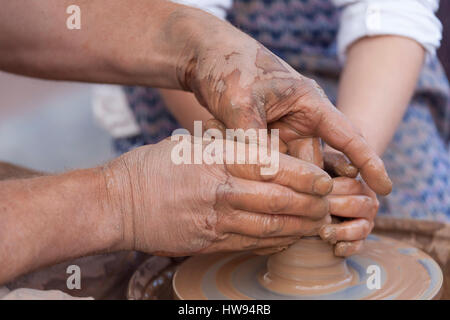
{"points": [[112, 111], [216, 7], [414, 19]]}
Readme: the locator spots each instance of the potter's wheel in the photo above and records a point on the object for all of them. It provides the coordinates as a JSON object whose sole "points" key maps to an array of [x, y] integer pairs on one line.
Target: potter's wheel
{"points": [[405, 273]]}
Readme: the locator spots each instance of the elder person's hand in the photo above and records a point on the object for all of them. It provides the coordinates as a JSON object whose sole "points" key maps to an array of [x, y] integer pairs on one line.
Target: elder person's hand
{"points": [[246, 86], [350, 199], [187, 209]]}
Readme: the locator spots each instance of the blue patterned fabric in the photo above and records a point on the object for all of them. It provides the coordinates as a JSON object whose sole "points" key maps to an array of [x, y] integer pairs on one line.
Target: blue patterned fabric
{"points": [[303, 33]]}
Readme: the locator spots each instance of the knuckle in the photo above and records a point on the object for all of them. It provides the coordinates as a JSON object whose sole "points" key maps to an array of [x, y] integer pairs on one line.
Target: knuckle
{"points": [[311, 83], [224, 191], [316, 88], [279, 200], [264, 177], [272, 225], [319, 206]]}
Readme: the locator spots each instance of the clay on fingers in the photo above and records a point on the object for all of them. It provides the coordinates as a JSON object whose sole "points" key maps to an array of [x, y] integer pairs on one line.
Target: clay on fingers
{"points": [[262, 225], [351, 230], [348, 248], [271, 198], [296, 174], [308, 149], [353, 206], [338, 164]]}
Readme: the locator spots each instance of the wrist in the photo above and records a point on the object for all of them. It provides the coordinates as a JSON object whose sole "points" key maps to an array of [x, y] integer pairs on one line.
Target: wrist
{"points": [[100, 227], [118, 201], [207, 43]]}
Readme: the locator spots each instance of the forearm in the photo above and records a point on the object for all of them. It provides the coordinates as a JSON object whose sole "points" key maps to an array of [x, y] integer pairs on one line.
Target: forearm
{"points": [[129, 42], [377, 83], [49, 219], [11, 171]]}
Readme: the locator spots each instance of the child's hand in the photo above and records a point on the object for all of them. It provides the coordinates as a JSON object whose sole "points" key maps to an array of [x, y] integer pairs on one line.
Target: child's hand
{"points": [[350, 198]]}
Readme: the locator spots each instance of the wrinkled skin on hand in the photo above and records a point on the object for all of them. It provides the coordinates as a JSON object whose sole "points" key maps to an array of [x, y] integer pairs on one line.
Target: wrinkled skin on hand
{"points": [[180, 210], [350, 199], [246, 86]]}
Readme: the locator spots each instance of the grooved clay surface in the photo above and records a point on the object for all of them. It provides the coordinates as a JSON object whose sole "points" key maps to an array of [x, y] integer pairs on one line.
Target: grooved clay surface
{"points": [[406, 273]]}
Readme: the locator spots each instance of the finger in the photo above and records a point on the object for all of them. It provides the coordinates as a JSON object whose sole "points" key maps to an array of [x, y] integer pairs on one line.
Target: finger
{"points": [[347, 186], [319, 115], [307, 149], [357, 229], [339, 133], [314, 183], [237, 242], [215, 124], [286, 132], [266, 226], [265, 197], [296, 174], [353, 206], [348, 248], [302, 147], [338, 163]]}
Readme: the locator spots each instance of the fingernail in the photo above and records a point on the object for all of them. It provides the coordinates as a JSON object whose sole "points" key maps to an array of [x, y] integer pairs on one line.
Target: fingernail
{"points": [[328, 233], [323, 186]]}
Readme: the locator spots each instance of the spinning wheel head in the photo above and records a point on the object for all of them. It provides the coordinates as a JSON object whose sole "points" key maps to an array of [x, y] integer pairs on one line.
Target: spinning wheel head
{"points": [[385, 269]]}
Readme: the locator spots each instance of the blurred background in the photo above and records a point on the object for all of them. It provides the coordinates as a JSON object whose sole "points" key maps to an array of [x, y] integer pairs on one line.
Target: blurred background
{"points": [[47, 125]]}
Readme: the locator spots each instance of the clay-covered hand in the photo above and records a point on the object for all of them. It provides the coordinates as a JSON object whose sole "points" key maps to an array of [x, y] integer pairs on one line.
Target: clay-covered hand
{"points": [[246, 86], [354, 201], [187, 209]]}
